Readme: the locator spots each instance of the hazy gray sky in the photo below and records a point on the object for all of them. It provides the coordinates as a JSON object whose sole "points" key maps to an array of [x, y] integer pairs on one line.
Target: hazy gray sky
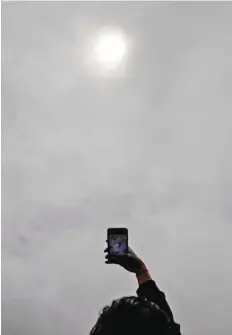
{"points": [[148, 148]]}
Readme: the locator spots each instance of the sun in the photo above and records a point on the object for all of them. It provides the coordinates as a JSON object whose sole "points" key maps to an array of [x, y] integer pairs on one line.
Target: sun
{"points": [[109, 48]]}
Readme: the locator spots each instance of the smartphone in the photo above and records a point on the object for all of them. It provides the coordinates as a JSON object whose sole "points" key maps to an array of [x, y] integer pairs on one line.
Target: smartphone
{"points": [[117, 239]]}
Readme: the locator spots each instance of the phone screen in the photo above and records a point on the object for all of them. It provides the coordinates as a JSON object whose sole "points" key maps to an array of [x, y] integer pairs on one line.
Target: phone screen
{"points": [[118, 244]]}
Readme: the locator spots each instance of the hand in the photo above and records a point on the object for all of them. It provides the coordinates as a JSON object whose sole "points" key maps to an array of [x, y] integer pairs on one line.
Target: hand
{"points": [[131, 262]]}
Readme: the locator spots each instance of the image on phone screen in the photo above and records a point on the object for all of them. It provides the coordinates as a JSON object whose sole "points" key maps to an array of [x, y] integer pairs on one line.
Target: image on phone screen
{"points": [[118, 244]]}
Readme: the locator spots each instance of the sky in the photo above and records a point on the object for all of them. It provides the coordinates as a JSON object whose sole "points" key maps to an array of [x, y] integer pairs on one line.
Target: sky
{"points": [[146, 146]]}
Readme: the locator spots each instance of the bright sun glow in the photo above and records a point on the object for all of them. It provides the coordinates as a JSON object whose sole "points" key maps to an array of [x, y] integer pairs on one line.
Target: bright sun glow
{"points": [[110, 49]]}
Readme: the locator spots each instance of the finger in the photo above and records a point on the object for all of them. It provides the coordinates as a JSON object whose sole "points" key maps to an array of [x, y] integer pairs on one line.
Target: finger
{"points": [[106, 250], [111, 258], [110, 262]]}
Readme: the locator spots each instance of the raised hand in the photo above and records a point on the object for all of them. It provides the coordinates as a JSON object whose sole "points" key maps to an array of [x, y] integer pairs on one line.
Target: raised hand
{"points": [[131, 262]]}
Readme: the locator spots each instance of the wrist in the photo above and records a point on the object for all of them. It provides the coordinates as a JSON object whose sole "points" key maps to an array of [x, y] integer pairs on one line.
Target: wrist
{"points": [[143, 275], [141, 272], [142, 269]]}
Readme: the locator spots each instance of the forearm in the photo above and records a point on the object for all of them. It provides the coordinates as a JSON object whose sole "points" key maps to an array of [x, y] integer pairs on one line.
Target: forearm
{"points": [[143, 275]]}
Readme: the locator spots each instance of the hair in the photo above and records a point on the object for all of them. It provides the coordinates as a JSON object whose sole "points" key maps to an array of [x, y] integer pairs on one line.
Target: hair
{"points": [[131, 315]]}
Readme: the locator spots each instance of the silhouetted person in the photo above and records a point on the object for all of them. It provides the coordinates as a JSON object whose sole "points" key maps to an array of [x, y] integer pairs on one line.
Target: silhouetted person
{"points": [[146, 314]]}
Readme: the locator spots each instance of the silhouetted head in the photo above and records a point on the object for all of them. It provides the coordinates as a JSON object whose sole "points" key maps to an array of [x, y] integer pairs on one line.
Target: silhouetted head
{"points": [[131, 315]]}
